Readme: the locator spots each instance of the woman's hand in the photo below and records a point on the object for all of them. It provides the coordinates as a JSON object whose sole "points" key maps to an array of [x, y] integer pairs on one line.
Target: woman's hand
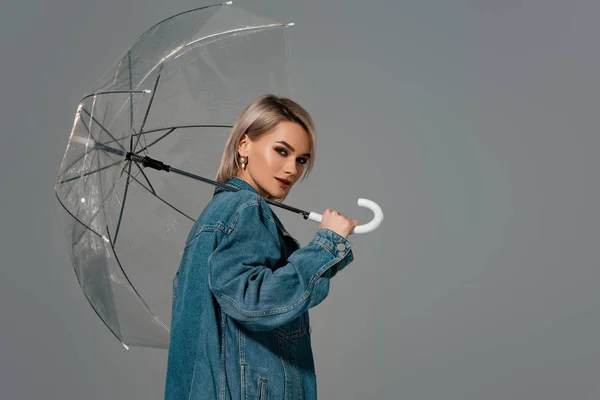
{"points": [[338, 223]]}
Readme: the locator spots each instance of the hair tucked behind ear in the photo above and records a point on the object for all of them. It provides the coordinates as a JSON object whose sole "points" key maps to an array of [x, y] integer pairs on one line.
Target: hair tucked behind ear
{"points": [[259, 117]]}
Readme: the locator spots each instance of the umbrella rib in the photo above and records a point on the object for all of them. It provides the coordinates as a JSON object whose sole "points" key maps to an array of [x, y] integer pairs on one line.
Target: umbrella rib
{"points": [[157, 140], [109, 194], [113, 92], [145, 177], [171, 130], [148, 110], [130, 100], [84, 155], [79, 159], [108, 166], [124, 200], [90, 172], [189, 126], [76, 219], [100, 207], [130, 145], [172, 127], [103, 320], [214, 38], [185, 12], [104, 129], [151, 190], [112, 245], [157, 24], [93, 138], [163, 200], [104, 115], [87, 128]]}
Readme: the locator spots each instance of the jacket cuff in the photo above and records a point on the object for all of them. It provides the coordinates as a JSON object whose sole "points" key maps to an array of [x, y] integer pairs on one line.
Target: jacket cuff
{"points": [[337, 245]]}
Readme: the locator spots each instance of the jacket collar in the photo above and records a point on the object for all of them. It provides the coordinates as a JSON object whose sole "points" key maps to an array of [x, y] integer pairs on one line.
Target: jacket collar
{"points": [[236, 183], [243, 185]]}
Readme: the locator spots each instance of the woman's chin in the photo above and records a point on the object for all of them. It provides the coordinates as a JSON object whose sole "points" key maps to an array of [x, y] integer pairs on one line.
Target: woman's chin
{"points": [[277, 194], [275, 191]]}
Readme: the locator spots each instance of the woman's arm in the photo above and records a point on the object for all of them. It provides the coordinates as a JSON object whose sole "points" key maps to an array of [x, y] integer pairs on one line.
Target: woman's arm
{"points": [[262, 299]]}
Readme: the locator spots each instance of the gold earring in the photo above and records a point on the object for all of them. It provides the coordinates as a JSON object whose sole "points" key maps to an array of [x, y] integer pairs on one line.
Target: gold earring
{"points": [[243, 162]]}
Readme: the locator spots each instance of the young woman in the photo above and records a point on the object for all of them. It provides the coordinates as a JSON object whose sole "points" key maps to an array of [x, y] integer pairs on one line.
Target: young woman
{"points": [[240, 327]]}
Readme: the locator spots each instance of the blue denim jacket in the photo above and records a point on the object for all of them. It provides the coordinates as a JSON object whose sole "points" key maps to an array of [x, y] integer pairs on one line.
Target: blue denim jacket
{"points": [[240, 327]]}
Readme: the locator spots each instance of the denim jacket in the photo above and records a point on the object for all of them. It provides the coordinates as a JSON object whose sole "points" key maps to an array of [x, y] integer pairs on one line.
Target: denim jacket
{"points": [[240, 326]]}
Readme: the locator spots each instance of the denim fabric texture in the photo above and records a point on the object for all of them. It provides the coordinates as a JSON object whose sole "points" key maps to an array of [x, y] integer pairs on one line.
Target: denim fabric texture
{"points": [[240, 327]]}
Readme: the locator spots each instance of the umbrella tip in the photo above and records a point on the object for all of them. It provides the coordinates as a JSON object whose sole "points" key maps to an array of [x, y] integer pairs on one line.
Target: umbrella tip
{"points": [[147, 91], [228, 3], [124, 345], [290, 24]]}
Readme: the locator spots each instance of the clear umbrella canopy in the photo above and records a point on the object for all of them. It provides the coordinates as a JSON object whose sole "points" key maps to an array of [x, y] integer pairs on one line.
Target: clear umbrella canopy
{"points": [[172, 96]]}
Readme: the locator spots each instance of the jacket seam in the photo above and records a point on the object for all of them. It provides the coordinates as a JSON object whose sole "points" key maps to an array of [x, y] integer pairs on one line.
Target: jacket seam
{"points": [[223, 227], [323, 243], [204, 228]]}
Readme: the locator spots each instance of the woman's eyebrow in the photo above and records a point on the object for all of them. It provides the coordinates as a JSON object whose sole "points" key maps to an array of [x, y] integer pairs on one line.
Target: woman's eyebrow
{"points": [[286, 144]]}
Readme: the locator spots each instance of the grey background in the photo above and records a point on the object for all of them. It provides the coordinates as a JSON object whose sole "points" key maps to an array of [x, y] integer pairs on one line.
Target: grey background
{"points": [[474, 123]]}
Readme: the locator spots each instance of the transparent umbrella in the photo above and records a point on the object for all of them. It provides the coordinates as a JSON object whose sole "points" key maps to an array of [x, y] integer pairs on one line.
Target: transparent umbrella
{"points": [[173, 96]]}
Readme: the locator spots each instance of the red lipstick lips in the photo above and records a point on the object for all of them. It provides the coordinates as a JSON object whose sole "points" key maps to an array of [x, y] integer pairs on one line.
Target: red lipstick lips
{"points": [[283, 182]]}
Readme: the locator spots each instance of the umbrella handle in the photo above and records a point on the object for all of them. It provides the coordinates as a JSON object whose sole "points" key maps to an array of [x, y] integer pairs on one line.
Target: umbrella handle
{"points": [[365, 228]]}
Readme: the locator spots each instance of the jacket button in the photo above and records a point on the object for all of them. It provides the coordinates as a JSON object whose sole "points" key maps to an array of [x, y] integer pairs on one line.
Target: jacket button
{"points": [[341, 246]]}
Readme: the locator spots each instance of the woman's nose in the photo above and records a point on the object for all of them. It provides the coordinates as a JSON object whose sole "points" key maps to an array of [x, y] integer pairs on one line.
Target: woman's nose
{"points": [[290, 167]]}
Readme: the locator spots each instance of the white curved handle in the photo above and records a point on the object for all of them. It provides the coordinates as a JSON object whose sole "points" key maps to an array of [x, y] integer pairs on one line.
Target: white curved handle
{"points": [[365, 228]]}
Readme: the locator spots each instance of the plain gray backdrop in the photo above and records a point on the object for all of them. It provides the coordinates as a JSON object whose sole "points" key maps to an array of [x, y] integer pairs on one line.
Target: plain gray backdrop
{"points": [[474, 123]]}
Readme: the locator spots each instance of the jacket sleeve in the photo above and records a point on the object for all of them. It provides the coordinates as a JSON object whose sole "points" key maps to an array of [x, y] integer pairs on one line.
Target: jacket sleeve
{"points": [[263, 298]]}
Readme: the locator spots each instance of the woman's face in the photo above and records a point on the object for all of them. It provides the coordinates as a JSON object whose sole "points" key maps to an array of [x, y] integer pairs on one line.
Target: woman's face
{"points": [[280, 154]]}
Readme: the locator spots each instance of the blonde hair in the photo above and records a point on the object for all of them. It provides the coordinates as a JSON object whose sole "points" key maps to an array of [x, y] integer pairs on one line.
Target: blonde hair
{"points": [[259, 117]]}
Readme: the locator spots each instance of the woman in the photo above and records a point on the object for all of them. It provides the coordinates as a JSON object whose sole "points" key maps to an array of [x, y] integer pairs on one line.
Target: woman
{"points": [[240, 327]]}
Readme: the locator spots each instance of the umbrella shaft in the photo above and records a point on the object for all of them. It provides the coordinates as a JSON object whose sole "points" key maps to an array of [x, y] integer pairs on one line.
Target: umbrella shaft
{"points": [[109, 149], [152, 163], [148, 162]]}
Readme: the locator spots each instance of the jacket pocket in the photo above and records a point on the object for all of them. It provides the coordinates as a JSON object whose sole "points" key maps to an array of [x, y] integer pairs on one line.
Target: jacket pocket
{"points": [[262, 389], [256, 383]]}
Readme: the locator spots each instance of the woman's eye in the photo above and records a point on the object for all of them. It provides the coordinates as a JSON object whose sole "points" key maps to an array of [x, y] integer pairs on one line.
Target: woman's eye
{"points": [[283, 152]]}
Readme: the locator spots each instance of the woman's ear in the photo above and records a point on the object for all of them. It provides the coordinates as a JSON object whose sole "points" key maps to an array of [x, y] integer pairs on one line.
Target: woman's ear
{"points": [[243, 145]]}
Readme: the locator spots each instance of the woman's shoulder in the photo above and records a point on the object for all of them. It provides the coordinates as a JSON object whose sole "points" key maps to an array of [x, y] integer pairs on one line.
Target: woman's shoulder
{"points": [[225, 207]]}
